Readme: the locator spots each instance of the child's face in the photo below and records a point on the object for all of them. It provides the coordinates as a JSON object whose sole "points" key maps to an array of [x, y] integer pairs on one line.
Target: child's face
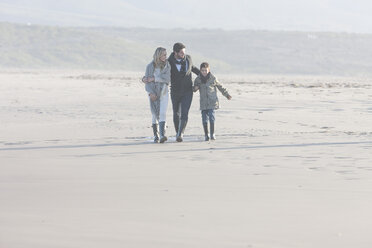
{"points": [[204, 71]]}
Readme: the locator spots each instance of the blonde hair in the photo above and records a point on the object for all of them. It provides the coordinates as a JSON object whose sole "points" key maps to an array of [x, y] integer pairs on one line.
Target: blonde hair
{"points": [[157, 62]]}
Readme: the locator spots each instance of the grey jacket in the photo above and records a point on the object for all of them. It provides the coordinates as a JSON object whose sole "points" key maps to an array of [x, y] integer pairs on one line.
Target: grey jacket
{"points": [[208, 92], [161, 77]]}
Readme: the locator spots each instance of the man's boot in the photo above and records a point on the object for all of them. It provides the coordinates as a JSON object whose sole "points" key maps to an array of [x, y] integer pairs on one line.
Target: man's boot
{"points": [[181, 130], [213, 137], [205, 126], [176, 124], [156, 133], [163, 138]]}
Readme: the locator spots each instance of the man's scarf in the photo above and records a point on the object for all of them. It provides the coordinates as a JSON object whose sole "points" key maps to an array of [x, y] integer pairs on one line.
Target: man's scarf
{"points": [[182, 62]]}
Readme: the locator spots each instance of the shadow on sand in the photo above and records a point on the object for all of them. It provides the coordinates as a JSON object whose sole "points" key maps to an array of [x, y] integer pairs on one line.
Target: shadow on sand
{"points": [[188, 149]]}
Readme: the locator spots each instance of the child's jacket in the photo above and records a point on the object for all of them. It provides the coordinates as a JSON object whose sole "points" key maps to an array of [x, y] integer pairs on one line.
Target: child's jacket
{"points": [[208, 92]]}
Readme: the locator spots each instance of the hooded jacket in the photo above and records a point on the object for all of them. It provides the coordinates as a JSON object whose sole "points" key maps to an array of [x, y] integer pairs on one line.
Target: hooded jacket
{"points": [[208, 92]]}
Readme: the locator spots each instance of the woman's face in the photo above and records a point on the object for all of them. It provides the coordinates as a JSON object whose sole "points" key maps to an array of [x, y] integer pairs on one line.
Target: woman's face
{"points": [[163, 56], [204, 71]]}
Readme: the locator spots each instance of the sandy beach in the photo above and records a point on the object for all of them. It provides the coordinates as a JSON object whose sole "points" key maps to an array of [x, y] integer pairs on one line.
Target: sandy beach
{"points": [[291, 166]]}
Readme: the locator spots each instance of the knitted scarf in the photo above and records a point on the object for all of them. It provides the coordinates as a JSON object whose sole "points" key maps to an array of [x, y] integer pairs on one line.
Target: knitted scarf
{"points": [[205, 79]]}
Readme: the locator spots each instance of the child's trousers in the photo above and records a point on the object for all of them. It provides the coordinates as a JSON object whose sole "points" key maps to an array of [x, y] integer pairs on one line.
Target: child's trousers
{"points": [[208, 114]]}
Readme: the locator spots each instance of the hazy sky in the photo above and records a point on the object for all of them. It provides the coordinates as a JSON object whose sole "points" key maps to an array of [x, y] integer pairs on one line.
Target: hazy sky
{"points": [[307, 15]]}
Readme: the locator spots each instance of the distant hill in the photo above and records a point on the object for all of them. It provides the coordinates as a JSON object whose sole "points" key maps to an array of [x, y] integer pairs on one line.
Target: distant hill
{"points": [[53, 47], [266, 52]]}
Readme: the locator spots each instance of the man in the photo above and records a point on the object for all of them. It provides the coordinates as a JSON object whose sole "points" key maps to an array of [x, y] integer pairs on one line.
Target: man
{"points": [[181, 87]]}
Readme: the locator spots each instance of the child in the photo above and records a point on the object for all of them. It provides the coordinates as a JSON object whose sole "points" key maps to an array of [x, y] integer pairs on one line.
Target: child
{"points": [[207, 85]]}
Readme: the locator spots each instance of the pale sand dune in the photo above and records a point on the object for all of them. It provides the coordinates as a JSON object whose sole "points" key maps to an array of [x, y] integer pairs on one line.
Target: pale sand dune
{"points": [[291, 166]]}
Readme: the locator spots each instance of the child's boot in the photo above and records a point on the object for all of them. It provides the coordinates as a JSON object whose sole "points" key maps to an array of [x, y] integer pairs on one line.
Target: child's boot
{"points": [[156, 133], [213, 137], [205, 126], [163, 138]]}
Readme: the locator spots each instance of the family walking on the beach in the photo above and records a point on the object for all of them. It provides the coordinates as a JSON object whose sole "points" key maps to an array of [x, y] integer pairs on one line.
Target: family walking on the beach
{"points": [[176, 71]]}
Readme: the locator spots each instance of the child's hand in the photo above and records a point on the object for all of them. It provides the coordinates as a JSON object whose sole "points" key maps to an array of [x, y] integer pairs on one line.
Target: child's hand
{"points": [[229, 97]]}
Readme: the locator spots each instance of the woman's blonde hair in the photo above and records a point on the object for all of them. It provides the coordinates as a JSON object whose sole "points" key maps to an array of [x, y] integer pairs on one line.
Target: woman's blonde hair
{"points": [[157, 62]]}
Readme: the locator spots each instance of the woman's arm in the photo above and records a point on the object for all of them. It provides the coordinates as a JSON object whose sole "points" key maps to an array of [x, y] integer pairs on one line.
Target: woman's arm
{"points": [[148, 78], [149, 74]]}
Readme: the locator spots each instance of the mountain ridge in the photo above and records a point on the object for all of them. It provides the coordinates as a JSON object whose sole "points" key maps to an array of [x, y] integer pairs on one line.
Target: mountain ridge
{"points": [[235, 51]]}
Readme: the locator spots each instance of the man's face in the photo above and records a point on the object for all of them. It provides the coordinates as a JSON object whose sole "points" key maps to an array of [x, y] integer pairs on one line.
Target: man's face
{"points": [[204, 71], [180, 54]]}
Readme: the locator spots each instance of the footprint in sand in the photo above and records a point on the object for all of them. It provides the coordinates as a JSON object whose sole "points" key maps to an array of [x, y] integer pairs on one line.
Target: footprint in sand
{"points": [[344, 172]]}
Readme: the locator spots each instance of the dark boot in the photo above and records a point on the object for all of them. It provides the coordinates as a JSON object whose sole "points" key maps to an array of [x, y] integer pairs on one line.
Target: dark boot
{"points": [[205, 126], [213, 137], [156, 133], [163, 138], [176, 124], [181, 130]]}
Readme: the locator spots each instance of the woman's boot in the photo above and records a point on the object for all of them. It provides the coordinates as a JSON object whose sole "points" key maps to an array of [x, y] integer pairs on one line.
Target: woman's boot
{"points": [[205, 126], [213, 137], [156, 133], [163, 138]]}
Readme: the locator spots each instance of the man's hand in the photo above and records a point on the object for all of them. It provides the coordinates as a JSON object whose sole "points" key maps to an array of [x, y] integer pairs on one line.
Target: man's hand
{"points": [[229, 97], [196, 88], [148, 79], [153, 97]]}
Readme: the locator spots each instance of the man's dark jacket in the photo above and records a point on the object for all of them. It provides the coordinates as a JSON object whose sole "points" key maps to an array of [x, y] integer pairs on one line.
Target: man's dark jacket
{"points": [[181, 83]]}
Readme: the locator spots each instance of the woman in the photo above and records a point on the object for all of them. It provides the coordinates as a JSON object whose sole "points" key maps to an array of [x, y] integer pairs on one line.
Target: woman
{"points": [[157, 78]]}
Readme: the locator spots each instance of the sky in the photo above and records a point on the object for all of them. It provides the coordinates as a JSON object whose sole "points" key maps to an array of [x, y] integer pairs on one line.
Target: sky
{"points": [[293, 15]]}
